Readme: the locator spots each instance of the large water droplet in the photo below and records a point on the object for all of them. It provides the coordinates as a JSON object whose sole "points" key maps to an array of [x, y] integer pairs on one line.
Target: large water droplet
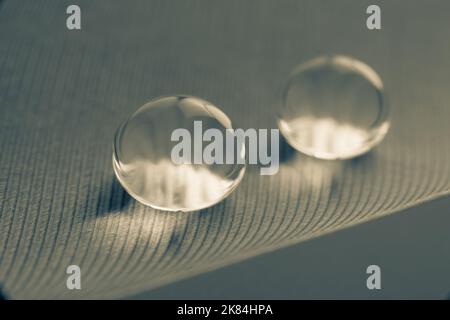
{"points": [[334, 108], [142, 156]]}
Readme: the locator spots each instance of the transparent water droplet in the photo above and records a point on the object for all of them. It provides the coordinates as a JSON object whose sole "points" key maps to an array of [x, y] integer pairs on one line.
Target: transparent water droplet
{"points": [[334, 108], [142, 156]]}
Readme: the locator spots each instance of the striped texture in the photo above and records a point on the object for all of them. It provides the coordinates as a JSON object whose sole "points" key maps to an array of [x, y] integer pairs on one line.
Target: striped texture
{"points": [[63, 93]]}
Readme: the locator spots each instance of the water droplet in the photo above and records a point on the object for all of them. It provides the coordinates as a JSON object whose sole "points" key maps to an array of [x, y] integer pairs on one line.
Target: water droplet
{"points": [[334, 108], [142, 156]]}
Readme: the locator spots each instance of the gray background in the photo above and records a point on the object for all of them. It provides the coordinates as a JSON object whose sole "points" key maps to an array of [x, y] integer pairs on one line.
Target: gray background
{"points": [[411, 248], [63, 94]]}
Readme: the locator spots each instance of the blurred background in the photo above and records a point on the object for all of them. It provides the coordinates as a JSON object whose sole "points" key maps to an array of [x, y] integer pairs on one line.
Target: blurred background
{"points": [[411, 248]]}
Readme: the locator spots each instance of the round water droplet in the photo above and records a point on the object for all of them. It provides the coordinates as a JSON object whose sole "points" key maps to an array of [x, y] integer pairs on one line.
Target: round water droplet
{"points": [[334, 108], [146, 144]]}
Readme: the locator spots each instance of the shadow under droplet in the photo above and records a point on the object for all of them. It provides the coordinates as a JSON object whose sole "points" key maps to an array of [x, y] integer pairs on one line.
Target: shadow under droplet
{"points": [[3, 296], [362, 160], [320, 174], [207, 217], [286, 151], [112, 197]]}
